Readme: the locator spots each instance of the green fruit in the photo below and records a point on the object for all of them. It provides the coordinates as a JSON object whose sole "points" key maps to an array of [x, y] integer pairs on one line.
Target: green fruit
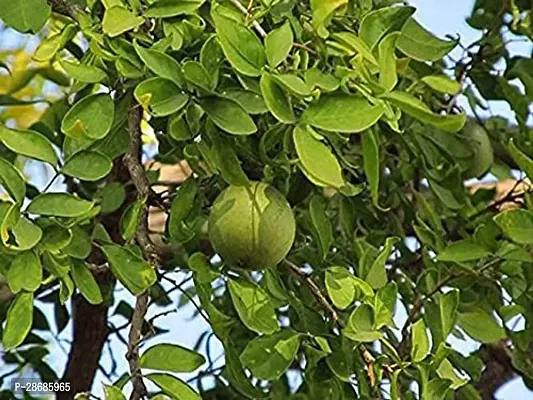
{"points": [[483, 155], [252, 226]]}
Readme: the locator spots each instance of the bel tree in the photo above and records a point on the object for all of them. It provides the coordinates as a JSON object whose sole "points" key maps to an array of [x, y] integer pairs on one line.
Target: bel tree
{"points": [[325, 231]]}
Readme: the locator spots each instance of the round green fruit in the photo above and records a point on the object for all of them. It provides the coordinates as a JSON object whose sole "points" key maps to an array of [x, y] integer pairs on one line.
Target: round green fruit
{"points": [[251, 227], [483, 155]]}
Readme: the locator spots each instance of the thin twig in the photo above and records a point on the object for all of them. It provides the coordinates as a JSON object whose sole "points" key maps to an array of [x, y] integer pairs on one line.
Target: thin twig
{"points": [[324, 302], [420, 299], [132, 160], [321, 298], [257, 26]]}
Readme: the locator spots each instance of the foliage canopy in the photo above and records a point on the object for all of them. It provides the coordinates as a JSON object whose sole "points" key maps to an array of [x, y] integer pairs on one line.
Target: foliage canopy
{"points": [[350, 111]]}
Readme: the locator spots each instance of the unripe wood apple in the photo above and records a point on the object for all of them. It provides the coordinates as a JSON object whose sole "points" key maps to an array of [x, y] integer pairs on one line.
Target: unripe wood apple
{"points": [[483, 155], [251, 227]]}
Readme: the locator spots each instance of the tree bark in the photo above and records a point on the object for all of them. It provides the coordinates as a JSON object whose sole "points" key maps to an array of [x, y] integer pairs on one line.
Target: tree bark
{"points": [[90, 327]]}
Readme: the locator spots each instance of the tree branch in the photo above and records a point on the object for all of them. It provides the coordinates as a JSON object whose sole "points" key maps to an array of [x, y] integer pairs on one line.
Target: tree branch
{"points": [[316, 292], [420, 299], [63, 7], [257, 26], [498, 369], [132, 160], [368, 358]]}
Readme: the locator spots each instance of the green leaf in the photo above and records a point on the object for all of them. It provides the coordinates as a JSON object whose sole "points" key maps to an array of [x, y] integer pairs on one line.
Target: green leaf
{"points": [[25, 272], [419, 341], [112, 195], [47, 49], [241, 46], [25, 15], [173, 387], [268, 357], [376, 275], [293, 84], [129, 222], [517, 225], [340, 286], [113, 393], [83, 72], [326, 82], [437, 389], [422, 45], [321, 225], [322, 12], [442, 84], [317, 161], [228, 115], [55, 238], [85, 282], [90, 118], [171, 357], [419, 110], [251, 102], [118, 20], [236, 375], [371, 163], [203, 271], [134, 273], [278, 44], [88, 166], [253, 306], [197, 74], [181, 207], [523, 161], [446, 371], [160, 64], [172, 8], [355, 45], [388, 78], [59, 205], [12, 181], [160, 96], [384, 305], [24, 235], [441, 315], [377, 24], [481, 326], [361, 325], [28, 143], [18, 320], [463, 250], [276, 99], [228, 163], [178, 128], [342, 113]]}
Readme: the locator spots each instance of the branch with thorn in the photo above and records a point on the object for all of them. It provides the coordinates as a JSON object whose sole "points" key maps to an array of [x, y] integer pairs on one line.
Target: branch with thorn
{"points": [[368, 358], [132, 160], [414, 314]]}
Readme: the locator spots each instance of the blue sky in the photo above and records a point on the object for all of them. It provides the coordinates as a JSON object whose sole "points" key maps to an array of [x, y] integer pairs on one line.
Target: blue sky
{"points": [[442, 18]]}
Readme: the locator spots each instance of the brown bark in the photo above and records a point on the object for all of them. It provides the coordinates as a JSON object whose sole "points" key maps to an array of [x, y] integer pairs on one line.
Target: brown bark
{"points": [[498, 369], [89, 336], [90, 327]]}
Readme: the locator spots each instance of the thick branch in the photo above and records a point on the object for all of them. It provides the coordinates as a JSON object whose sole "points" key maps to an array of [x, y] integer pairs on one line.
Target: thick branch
{"points": [[63, 7], [132, 160], [498, 369]]}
